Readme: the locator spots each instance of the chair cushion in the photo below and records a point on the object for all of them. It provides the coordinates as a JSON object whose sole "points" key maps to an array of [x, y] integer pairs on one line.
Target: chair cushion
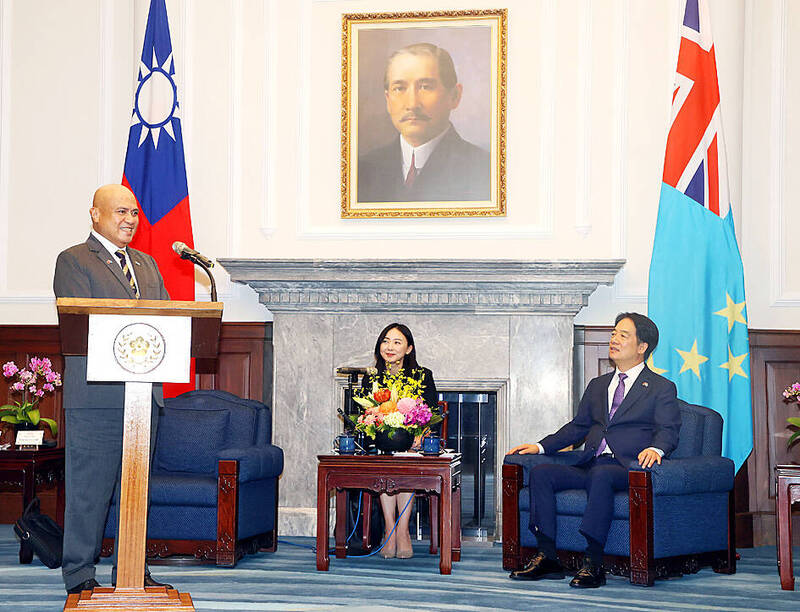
{"points": [[188, 440]]}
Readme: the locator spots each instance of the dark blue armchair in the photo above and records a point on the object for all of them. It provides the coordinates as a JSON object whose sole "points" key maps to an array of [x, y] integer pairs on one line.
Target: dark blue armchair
{"points": [[214, 482], [675, 518]]}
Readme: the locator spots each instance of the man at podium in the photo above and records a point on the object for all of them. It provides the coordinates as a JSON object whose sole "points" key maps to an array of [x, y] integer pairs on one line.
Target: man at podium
{"points": [[101, 267]]}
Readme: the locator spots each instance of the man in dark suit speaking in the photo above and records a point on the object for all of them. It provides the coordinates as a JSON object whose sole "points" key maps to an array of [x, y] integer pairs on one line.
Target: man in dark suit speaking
{"points": [[429, 161], [629, 414], [101, 267]]}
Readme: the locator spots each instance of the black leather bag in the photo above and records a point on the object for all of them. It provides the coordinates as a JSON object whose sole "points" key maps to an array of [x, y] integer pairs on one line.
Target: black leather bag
{"points": [[39, 534]]}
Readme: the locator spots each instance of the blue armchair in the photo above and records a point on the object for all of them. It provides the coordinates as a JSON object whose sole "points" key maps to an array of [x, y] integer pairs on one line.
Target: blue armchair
{"points": [[675, 518], [214, 480]]}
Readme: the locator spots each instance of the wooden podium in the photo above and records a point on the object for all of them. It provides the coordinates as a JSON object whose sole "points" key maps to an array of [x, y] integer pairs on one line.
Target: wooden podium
{"points": [[137, 342]]}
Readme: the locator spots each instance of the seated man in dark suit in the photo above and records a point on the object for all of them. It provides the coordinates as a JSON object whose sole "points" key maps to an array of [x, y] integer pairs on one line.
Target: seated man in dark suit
{"points": [[629, 414]]}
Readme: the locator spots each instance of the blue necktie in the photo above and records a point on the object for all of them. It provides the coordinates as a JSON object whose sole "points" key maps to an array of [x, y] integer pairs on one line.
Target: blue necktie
{"points": [[619, 395]]}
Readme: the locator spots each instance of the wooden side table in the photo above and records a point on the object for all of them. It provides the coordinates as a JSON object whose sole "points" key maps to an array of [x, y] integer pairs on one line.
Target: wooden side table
{"points": [[390, 474], [787, 491], [28, 470]]}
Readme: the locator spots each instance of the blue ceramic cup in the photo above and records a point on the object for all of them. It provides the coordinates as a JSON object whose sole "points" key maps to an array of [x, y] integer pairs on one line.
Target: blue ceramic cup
{"points": [[431, 445], [346, 444]]}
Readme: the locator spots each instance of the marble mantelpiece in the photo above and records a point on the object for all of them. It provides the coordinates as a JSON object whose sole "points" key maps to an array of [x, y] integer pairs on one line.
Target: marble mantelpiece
{"points": [[495, 325]]}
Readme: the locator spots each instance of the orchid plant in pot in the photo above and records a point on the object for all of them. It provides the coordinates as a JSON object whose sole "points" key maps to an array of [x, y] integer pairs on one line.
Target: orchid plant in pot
{"points": [[792, 395], [32, 382]]}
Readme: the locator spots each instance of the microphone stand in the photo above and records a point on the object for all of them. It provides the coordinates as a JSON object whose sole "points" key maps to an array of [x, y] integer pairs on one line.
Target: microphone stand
{"points": [[208, 271]]}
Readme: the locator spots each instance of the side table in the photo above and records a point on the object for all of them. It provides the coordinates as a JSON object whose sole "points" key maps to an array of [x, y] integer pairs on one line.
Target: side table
{"points": [[28, 470], [439, 475], [787, 491]]}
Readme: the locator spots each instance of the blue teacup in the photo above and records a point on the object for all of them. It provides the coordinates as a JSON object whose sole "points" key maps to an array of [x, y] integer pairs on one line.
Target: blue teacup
{"points": [[346, 444], [431, 445]]}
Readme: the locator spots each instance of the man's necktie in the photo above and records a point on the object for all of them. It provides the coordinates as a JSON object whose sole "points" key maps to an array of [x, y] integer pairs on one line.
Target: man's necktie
{"points": [[123, 262], [619, 395], [412, 172]]}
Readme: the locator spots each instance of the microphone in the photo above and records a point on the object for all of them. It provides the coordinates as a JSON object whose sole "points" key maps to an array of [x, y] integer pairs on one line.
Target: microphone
{"points": [[188, 253], [347, 371]]}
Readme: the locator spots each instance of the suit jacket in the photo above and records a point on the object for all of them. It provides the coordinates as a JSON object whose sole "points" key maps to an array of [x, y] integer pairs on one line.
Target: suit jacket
{"points": [[89, 270], [456, 171], [648, 416]]}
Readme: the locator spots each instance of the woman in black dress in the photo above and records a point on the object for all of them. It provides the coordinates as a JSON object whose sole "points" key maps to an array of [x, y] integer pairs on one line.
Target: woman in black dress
{"points": [[395, 351]]}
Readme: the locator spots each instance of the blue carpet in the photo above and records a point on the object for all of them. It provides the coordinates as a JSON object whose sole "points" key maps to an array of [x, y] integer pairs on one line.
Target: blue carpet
{"points": [[288, 580]]}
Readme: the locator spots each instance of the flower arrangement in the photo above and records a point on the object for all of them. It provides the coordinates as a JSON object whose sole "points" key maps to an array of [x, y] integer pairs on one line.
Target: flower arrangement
{"points": [[394, 402], [792, 394], [33, 381]]}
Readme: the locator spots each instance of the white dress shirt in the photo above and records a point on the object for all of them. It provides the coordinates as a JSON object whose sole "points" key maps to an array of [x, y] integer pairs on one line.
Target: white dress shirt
{"points": [[421, 153]]}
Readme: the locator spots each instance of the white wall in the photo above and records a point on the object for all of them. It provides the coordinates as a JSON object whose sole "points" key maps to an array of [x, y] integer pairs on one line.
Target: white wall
{"points": [[589, 90]]}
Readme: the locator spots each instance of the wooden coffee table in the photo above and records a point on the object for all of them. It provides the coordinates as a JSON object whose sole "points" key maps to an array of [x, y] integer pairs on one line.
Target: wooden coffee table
{"points": [[440, 475], [787, 491]]}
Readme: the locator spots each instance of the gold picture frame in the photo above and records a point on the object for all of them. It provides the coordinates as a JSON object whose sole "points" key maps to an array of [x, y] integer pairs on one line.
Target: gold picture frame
{"points": [[431, 84]]}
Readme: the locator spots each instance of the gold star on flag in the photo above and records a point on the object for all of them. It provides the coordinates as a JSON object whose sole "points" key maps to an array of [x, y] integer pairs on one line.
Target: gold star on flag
{"points": [[732, 312], [691, 360], [651, 364], [734, 365]]}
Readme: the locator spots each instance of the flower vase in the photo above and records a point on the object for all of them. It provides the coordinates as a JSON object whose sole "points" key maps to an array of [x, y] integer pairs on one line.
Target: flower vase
{"points": [[396, 440]]}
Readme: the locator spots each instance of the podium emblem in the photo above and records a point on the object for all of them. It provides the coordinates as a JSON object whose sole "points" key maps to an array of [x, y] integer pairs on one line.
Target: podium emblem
{"points": [[139, 348]]}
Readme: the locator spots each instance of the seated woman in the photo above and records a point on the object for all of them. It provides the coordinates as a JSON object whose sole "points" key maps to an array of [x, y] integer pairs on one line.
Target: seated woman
{"points": [[394, 350]]}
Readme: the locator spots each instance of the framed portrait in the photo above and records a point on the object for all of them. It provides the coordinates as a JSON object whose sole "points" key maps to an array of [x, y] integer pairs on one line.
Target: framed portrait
{"points": [[424, 114]]}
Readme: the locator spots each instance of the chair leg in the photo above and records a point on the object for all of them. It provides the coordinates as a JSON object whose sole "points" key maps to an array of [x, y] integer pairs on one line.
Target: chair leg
{"points": [[512, 483], [729, 566], [227, 511], [640, 499], [274, 533]]}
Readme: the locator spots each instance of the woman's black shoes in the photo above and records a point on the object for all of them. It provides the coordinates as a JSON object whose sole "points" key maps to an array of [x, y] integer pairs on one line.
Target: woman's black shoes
{"points": [[540, 568]]}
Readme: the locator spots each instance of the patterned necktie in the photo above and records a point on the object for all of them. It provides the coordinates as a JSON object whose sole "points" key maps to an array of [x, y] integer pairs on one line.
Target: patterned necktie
{"points": [[619, 395], [123, 262], [412, 172]]}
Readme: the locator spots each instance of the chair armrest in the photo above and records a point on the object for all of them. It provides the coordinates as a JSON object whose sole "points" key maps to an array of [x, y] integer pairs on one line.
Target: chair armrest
{"points": [[255, 462], [526, 462], [690, 475]]}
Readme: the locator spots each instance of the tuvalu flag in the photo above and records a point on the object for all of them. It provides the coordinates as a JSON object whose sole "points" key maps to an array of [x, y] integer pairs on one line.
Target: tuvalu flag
{"points": [[155, 169], [696, 284]]}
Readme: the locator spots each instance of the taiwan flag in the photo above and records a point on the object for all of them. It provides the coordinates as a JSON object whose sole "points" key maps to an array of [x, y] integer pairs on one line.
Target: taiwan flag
{"points": [[696, 285], [155, 170]]}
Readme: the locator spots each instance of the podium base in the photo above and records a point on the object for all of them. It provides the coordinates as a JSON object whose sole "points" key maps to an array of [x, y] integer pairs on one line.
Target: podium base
{"points": [[148, 598]]}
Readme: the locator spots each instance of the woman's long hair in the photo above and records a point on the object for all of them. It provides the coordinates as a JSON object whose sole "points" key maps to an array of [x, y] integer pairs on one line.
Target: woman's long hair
{"points": [[409, 361]]}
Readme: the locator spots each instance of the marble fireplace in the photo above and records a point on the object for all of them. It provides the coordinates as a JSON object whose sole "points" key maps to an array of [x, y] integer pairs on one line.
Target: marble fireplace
{"points": [[494, 325]]}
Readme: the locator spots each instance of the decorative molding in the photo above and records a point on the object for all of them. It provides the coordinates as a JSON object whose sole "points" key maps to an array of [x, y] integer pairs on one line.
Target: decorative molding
{"points": [[583, 180], [778, 264], [5, 133], [465, 286], [270, 171], [235, 131], [354, 229]]}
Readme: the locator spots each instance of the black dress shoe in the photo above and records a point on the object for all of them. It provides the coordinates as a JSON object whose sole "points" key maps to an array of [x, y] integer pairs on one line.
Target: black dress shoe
{"points": [[590, 576], [150, 582], [86, 585], [540, 567]]}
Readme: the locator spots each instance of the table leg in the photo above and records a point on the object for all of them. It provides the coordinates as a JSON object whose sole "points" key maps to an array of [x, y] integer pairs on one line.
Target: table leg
{"points": [[366, 519], [341, 524], [323, 561], [457, 523], [783, 507], [433, 519], [446, 527]]}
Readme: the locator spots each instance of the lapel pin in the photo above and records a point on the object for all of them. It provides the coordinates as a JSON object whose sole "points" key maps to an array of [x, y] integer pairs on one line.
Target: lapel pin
{"points": [[137, 263], [108, 261], [645, 384]]}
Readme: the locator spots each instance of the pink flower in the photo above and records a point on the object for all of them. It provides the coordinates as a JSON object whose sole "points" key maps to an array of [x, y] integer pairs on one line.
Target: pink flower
{"points": [[9, 369], [48, 387], [32, 389], [18, 386], [50, 376], [39, 393], [405, 405], [26, 376]]}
